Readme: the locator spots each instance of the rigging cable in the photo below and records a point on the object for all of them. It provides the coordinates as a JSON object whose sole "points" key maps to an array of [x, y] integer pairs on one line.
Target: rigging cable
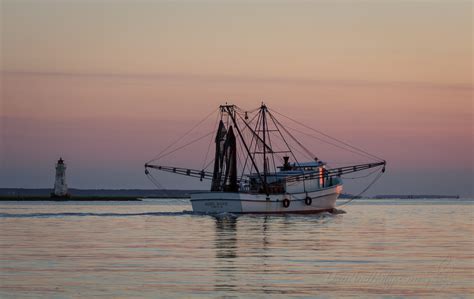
{"points": [[333, 144], [328, 136], [276, 121], [270, 143], [153, 180], [362, 176], [210, 143], [209, 164], [185, 145], [180, 138], [366, 188], [251, 141]]}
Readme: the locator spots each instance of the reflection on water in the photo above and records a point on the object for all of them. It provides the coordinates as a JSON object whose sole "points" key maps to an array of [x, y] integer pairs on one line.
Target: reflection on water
{"points": [[226, 237], [381, 248], [226, 252]]}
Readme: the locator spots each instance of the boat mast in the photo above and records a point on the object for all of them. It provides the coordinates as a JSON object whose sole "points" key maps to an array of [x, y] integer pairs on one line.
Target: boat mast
{"points": [[231, 112], [264, 121]]}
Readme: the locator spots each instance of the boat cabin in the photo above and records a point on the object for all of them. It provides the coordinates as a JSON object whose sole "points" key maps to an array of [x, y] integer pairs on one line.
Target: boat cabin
{"points": [[276, 181]]}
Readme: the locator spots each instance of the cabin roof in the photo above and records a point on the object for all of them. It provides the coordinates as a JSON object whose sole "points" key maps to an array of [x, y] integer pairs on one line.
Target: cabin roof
{"points": [[307, 164]]}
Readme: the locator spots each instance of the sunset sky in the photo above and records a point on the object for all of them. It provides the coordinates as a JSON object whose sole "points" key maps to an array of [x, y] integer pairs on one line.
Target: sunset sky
{"points": [[109, 84]]}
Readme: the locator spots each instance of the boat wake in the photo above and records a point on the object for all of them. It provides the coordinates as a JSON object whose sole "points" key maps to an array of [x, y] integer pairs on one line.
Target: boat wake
{"points": [[337, 211], [61, 215], [228, 215], [182, 213]]}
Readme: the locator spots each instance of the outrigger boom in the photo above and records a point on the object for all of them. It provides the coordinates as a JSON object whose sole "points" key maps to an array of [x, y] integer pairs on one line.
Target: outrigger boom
{"points": [[202, 174], [332, 172]]}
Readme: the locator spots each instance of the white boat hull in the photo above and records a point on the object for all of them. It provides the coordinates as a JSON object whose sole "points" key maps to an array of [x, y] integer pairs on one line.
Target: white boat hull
{"points": [[227, 202]]}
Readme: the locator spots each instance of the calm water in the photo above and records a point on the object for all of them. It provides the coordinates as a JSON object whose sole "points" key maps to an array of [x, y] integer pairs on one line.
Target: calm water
{"points": [[379, 248]]}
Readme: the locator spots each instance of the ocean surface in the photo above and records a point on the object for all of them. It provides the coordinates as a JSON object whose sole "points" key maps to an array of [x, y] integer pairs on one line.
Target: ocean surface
{"points": [[378, 248]]}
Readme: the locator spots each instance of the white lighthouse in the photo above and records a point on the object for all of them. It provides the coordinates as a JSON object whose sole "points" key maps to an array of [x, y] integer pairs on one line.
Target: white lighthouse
{"points": [[60, 186]]}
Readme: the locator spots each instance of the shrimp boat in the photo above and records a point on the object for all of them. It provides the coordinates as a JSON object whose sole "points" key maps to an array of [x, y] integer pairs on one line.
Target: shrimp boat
{"points": [[271, 178]]}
